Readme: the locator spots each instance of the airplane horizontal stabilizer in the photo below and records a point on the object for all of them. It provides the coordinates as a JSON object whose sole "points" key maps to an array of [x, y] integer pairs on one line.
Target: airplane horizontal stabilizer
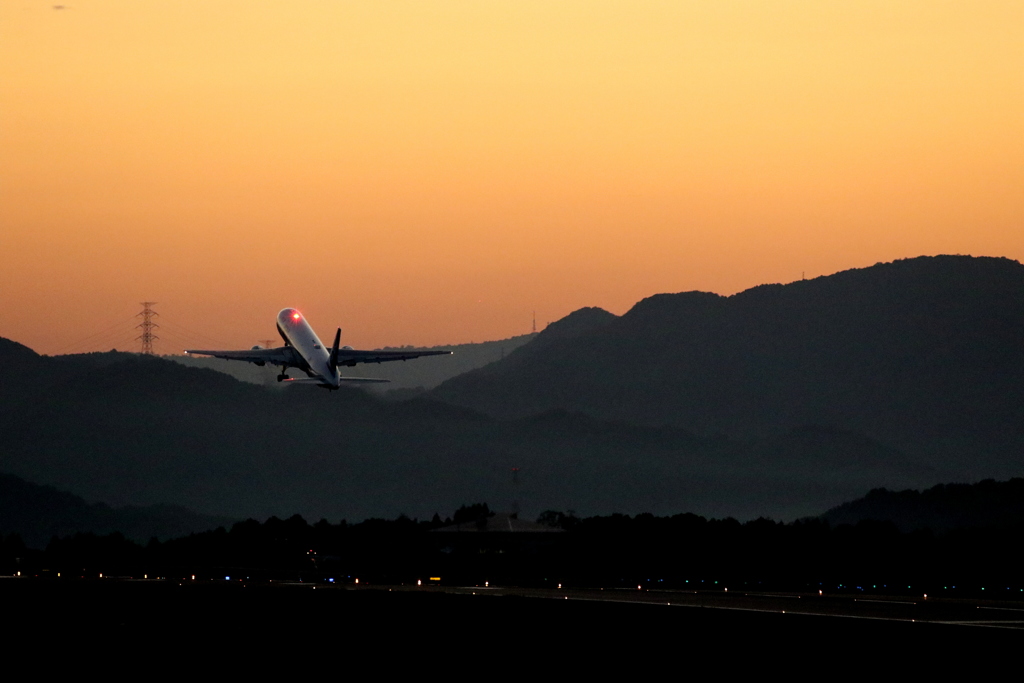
{"points": [[317, 380]]}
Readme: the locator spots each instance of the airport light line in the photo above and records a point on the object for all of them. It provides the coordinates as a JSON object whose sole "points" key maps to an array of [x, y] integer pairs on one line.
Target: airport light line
{"points": [[775, 611], [983, 623]]}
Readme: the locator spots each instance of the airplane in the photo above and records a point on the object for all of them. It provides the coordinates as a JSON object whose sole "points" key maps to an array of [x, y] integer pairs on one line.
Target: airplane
{"points": [[304, 351]]}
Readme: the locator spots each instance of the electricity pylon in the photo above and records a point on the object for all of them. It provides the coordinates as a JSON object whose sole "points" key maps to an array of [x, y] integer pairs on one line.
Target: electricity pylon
{"points": [[147, 327]]}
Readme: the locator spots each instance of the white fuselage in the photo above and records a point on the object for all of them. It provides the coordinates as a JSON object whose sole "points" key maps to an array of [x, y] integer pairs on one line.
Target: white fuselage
{"points": [[304, 351], [297, 332]]}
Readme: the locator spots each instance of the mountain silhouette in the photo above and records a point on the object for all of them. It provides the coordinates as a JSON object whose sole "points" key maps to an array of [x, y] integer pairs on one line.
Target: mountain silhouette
{"points": [[781, 401], [38, 513], [941, 508], [923, 355], [130, 430]]}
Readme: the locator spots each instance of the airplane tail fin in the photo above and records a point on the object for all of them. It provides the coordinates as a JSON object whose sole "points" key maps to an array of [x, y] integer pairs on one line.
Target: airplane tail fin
{"points": [[334, 351]]}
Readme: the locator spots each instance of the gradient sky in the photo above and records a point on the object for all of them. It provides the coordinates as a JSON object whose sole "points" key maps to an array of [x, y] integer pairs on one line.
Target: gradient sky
{"points": [[432, 172]]}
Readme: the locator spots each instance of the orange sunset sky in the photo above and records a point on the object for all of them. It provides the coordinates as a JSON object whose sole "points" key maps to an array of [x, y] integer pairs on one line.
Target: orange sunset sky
{"points": [[432, 172]]}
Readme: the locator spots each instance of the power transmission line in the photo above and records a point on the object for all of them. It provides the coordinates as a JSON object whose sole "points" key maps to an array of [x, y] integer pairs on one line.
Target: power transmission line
{"points": [[92, 338], [191, 334]]}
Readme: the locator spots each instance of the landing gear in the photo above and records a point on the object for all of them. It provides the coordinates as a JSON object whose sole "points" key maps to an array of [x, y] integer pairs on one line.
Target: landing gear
{"points": [[282, 377]]}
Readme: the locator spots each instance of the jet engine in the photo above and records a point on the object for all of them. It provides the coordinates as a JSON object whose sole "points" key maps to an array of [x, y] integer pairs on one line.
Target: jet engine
{"points": [[258, 363]]}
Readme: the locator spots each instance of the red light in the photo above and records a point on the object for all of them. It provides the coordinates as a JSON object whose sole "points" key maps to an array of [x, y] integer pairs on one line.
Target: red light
{"points": [[296, 315]]}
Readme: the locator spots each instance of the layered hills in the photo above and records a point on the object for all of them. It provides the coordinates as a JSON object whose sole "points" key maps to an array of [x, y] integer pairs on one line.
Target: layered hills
{"points": [[133, 430], [782, 401], [923, 355], [39, 513], [985, 504]]}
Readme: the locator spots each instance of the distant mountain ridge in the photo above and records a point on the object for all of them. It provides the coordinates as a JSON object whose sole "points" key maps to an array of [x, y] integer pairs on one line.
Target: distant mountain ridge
{"points": [[38, 513], [941, 508], [921, 354], [134, 430], [781, 401]]}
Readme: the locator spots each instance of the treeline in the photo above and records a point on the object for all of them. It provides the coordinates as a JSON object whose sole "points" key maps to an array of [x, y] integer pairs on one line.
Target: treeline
{"points": [[870, 554], [618, 550]]}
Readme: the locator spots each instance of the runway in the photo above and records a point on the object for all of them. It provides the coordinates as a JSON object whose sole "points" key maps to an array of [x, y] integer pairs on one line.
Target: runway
{"points": [[934, 610], [420, 617]]}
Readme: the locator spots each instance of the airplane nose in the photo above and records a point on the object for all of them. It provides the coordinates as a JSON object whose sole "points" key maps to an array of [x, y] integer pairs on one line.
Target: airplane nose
{"points": [[290, 316]]}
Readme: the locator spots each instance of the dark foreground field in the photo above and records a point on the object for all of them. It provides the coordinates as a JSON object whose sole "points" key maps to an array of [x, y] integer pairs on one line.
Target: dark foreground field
{"points": [[412, 619]]}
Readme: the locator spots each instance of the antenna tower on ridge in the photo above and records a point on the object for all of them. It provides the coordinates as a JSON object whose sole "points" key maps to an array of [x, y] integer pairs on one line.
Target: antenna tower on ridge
{"points": [[147, 327], [535, 322]]}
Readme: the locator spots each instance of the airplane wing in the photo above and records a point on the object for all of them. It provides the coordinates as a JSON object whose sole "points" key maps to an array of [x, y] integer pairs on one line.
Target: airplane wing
{"points": [[352, 357], [283, 355]]}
